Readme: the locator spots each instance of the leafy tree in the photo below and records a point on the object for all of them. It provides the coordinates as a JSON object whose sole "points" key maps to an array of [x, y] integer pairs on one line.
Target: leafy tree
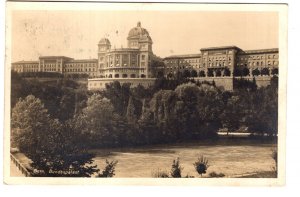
{"points": [[109, 170], [131, 117], [255, 72], [230, 117], [210, 73], [201, 165], [118, 94], [274, 71], [226, 72], [53, 148], [218, 73], [201, 73], [193, 73], [176, 169], [237, 72], [265, 71], [245, 71], [186, 74]]}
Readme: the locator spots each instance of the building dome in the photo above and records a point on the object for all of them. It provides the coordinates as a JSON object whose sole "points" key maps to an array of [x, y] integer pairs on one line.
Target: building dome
{"points": [[138, 32], [104, 41]]}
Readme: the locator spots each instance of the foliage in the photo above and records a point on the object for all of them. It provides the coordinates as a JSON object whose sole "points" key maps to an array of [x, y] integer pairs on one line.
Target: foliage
{"points": [[176, 169], [255, 72], [131, 118], [216, 175], [227, 72], [193, 73], [201, 73], [201, 165], [160, 174], [118, 94], [53, 148], [109, 170], [265, 71]]}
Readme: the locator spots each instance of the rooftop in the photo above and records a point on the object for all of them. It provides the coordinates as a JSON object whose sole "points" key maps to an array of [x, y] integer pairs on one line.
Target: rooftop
{"points": [[218, 48], [184, 56], [84, 60], [26, 62], [54, 57], [261, 51]]}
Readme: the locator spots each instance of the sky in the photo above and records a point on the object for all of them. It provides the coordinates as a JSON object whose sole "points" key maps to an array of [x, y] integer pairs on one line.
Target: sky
{"points": [[76, 33]]}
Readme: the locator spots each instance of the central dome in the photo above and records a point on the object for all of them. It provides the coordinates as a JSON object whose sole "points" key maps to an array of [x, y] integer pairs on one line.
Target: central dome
{"points": [[137, 32]]}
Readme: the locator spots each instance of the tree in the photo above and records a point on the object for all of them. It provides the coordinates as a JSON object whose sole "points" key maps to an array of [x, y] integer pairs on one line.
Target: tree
{"points": [[218, 73], [54, 149], [131, 117], [186, 74], [255, 72], [201, 73], [201, 165], [176, 169], [265, 71], [226, 72], [210, 73], [231, 115], [193, 73], [109, 170], [99, 121], [118, 94], [274, 71], [245, 71], [237, 72]]}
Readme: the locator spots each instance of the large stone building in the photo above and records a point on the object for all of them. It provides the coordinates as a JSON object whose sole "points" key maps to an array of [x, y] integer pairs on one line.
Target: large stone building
{"points": [[136, 64], [58, 64], [223, 62], [122, 64]]}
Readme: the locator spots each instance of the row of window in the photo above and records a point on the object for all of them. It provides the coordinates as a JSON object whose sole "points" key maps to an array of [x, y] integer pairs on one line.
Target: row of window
{"points": [[81, 65], [258, 57], [80, 70]]}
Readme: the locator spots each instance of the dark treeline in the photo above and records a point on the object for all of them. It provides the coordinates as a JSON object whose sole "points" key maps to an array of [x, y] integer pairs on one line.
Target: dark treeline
{"points": [[172, 110]]}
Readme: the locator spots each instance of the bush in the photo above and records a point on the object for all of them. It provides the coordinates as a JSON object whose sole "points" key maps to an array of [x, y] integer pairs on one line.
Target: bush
{"points": [[201, 165], [109, 170], [176, 169], [216, 175], [160, 174]]}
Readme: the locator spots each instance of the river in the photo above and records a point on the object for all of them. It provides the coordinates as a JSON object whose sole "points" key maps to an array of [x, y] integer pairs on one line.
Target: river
{"points": [[233, 159]]}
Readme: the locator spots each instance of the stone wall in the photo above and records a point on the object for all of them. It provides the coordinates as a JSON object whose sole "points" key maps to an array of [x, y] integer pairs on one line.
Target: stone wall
{"points": [[100, 83], [225, 83]]}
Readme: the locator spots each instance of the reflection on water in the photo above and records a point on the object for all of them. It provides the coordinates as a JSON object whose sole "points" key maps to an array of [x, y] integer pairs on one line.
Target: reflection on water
{"points": [[232, 160]]}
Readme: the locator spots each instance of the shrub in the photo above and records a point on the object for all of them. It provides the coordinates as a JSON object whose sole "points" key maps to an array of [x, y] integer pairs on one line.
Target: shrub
{"points": [[201, 165], [109, 170], [176, 169], [160, 174], [216, 175]]}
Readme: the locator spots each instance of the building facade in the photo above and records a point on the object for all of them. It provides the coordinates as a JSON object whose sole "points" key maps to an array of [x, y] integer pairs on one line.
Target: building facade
{"points": [[136, 64], [58, 64], [224, 62]]}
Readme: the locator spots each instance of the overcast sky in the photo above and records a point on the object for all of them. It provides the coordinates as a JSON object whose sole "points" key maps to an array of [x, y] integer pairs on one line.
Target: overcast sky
{"points": [[76, 33]]}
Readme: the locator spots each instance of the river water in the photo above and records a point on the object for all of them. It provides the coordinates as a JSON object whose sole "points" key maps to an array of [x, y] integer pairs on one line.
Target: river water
{"points": [[232, 159]]}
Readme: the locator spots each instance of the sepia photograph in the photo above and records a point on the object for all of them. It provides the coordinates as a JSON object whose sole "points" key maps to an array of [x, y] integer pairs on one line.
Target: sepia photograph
{"points": [[113, 92]]}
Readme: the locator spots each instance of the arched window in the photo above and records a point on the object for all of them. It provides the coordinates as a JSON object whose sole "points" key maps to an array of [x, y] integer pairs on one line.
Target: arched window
{"points": [[124, 75], [143, 76], [132, 76], [116, 75]]}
